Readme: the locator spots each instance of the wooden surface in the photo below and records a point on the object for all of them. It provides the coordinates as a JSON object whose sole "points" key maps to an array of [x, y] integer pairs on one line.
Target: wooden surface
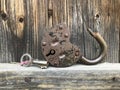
{"points": [[78, 77], [22, 23]]}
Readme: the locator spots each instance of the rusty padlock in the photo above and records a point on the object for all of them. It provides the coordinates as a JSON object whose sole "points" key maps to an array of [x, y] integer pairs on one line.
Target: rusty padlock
{"points": [[60, 52]]}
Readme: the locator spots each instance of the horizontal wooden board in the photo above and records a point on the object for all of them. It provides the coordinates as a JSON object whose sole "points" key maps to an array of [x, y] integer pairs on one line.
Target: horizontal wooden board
{"points": [[77, 77]]}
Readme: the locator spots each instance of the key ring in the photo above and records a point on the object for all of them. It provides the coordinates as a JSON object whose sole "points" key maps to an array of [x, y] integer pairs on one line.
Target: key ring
{"points": [[26, 63]]}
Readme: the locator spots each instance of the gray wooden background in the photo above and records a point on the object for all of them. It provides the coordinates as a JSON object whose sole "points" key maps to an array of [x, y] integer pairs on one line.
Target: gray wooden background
{"points": [[22, 23]]}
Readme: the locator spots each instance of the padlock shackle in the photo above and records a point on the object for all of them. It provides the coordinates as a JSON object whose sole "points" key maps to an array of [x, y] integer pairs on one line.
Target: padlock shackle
{"points": [[103, 47]]}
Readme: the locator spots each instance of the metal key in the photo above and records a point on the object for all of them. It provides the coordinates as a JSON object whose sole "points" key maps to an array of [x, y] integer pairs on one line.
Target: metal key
{"points": [[31, 61]]}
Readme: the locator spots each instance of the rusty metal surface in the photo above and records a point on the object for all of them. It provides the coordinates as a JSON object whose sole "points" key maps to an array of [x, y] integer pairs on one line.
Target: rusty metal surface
{"points": [[57, 49]]}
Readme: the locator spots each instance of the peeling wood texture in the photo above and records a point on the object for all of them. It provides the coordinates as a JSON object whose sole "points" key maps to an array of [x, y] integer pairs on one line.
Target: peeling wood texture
{"points": [[98, 77], [23, 22]]}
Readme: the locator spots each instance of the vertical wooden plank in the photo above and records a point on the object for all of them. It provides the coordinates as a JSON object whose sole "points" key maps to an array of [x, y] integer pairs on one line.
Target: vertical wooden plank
{"points": [[90, 9], [31, 28], [16, 26], [56, 11], [89, 45], [27, 26], [63, 11], [34, 5], [94, 15], [118, 22], [5, 37], [13, 26], [69, 14], [109, 12], [117, 25], [0, 5], [36, 22], [43, 23], [74, 23], [80, 26], [96, 19], [50, 13]]}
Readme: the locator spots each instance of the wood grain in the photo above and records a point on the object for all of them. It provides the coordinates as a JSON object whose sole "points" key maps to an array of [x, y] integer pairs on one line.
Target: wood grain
{"points": [[78, 77], [22, 24]]}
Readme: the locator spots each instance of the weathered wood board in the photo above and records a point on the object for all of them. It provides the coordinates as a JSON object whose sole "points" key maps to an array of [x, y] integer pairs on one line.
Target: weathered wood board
{"points": [[23, 22], [78, 77]]}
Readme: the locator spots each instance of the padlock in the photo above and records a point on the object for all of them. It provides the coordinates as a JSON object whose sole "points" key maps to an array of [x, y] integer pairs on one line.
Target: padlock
{"points": [[60, 52]]}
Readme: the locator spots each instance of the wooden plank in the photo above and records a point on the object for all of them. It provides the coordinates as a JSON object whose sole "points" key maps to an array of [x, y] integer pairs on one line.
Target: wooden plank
{"points": [[50, 13], [35, 12], [63, 7], [43, 24], [80, 27], [56, 12], [94, 15], [7, 48], [78, 77], [110, 25], [69, 14], [15, 25], [27, 20], [88, 11]]}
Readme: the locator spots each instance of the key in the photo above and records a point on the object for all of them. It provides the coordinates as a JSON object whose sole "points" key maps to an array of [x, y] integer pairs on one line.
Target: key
{"points": [[42, 64], [31, 61], [52, 52]]}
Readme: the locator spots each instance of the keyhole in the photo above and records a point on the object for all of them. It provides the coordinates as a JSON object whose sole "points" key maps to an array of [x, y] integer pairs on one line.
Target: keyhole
{"points": [[52, 52]]}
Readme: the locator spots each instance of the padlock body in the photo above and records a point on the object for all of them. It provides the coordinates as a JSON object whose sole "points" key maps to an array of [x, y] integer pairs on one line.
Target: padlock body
{"points": [[58, 39]]}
